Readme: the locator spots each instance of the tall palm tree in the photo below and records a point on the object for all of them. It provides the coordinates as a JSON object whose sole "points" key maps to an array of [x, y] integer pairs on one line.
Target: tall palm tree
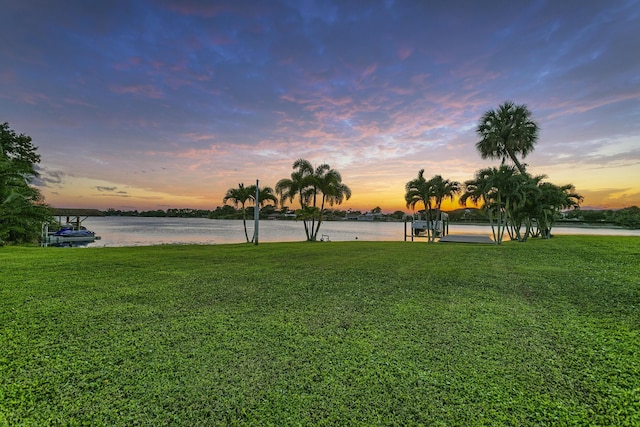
{"points": [[239, 197], [328, 182], [507, 132]]}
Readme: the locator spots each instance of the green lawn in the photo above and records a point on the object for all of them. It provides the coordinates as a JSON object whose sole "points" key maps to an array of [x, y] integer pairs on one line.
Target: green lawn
{"points": [[354, 333]]}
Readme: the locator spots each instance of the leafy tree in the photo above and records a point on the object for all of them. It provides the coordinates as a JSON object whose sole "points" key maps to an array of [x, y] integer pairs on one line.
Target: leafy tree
{"points": [[309, 185], [628, 217], [22, 207], [507, 132], [239, 196], [267, 210], [398, 215], [551, 200], [225, 212], [590, 215], [467, 214]]}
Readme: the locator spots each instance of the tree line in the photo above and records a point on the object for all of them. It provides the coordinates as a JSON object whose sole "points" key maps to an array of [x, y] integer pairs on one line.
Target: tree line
{"points": [[267, 211], [628, 217]]}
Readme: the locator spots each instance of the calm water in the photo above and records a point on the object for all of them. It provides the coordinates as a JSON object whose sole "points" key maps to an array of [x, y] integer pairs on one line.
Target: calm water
{"points": [[132, 231]]}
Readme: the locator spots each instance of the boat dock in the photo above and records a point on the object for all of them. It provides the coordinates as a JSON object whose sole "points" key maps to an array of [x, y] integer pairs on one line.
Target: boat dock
{"points": [[69, 232], [439, 229]]}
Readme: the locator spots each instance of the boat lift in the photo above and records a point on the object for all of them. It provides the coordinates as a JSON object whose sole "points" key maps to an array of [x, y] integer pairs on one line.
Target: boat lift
{"points": [[78, 234], [421, 228]]}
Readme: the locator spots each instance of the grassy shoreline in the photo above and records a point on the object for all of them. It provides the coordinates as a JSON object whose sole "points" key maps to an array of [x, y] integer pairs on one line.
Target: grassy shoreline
{"points": [[353, 333]]}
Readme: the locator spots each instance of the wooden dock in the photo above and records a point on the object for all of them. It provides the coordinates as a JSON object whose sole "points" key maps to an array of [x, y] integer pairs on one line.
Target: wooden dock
{"points": [[466, 238]]}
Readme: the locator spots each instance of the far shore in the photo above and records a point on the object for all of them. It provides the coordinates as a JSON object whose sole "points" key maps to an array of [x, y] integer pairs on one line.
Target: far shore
{"points": [[576, 224]]}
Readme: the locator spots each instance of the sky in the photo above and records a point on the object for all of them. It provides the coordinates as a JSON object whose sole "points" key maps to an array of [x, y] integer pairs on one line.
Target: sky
{"points": [[168, 104]]}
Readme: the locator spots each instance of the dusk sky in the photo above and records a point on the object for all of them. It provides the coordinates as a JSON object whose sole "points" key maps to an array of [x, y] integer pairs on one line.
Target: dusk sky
{"points": [[167, 104]]}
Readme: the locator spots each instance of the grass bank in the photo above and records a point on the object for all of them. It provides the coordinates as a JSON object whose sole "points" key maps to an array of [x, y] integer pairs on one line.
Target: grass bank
{"points": [[354, 333]]}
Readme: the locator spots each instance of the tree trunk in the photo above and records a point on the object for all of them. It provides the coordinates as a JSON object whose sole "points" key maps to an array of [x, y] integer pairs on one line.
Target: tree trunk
{"points": [[244, 223], [315, 234], [313, 217], [520, 167], [306, 229], [493, 230]]}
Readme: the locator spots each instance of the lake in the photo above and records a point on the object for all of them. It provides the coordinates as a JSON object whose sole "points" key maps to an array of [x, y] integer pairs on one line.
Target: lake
{"points": [[138, 231]]}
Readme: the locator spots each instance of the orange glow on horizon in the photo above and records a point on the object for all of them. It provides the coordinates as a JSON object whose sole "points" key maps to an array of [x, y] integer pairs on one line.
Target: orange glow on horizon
{"points": [[87, 197]]}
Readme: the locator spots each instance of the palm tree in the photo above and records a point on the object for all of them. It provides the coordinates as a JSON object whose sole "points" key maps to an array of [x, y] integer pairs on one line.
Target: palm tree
{"points": [[442, 189], [492, 188], [308, 184], [329, 182], [553, 198], [430, 193], [239, 196], [265, 194], [507, 133], [298, 185], [522, 193], [513, 188], [418, 190]]}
